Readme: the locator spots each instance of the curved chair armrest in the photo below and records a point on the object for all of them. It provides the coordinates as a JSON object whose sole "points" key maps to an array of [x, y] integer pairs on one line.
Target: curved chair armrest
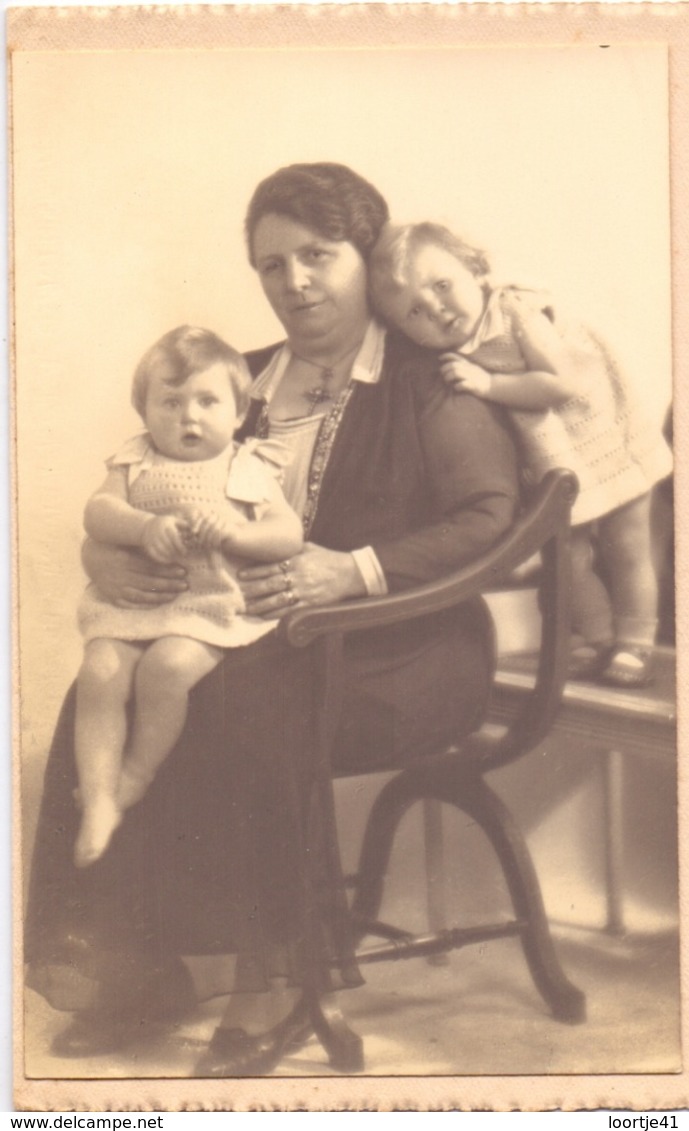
{"points": [[544, 527], [546, 517]]}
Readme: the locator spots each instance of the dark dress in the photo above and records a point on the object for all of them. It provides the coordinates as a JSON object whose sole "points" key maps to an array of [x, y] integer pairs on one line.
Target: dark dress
{"points": [[219, 856]]}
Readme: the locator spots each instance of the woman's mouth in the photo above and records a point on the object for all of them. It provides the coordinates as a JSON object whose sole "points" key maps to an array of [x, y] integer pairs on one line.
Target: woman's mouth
{"points": [[305, 307]]}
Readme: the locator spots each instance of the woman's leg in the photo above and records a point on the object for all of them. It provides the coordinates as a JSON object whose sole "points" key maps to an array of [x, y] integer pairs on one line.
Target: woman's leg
{"points": [[225, 829], [256, 1013], [104, 686], [168, 671]]}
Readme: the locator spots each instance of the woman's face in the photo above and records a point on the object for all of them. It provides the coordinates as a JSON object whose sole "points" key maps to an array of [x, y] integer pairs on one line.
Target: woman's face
{"points": [[316, 286]]}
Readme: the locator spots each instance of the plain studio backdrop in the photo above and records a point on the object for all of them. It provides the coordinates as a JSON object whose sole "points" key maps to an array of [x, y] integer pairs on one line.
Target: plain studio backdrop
{"points": [[132, 171]]}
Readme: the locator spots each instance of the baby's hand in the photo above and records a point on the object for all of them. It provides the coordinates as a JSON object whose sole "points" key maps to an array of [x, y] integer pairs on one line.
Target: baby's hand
{"points": [[163, 538], [464, 375], [210, 530]]}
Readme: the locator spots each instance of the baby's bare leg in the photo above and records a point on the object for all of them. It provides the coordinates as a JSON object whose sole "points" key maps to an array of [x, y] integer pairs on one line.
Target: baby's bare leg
{"points": [[169, 669], [104, 686]]}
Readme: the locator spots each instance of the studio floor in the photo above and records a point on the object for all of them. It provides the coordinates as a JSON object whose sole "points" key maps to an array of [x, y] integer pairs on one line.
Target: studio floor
{"points": [[478, 1015]]}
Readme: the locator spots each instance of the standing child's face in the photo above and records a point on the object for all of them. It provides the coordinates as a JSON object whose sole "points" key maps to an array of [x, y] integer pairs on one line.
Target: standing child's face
{"points": [[195, 420], [441, 302]]}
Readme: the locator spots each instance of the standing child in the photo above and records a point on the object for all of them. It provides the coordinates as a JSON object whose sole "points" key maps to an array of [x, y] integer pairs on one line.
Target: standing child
{"points": [[183, 492], [571, 409]]}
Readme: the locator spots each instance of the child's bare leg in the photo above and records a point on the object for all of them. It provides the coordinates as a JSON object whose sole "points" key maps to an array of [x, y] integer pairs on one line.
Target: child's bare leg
{"points": [[169, 669], [625, 538], [104, 685], [591, 611]]}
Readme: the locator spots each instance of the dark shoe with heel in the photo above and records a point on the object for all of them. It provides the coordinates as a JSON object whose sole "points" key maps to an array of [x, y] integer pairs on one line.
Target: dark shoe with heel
{"points": [[164, 994], [233, 1052]]}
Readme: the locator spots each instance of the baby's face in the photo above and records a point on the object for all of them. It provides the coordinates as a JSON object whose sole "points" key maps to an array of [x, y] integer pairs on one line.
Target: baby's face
{"points": [[441, 302], [195, 420]]}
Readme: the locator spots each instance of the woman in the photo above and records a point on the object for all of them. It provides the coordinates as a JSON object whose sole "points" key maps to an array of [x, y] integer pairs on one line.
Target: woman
{"points": [[398, 482]]}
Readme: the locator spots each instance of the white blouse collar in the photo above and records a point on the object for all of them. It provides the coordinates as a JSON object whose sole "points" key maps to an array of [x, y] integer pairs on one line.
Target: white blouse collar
{"points": [[367, 365]]}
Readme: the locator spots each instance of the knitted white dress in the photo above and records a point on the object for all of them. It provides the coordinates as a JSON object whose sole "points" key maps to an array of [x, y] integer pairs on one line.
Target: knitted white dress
{"points": [[242, 480]]}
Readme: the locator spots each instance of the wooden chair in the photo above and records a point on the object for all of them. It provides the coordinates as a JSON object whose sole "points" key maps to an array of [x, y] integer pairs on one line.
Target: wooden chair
{"points": [[455, 776]]}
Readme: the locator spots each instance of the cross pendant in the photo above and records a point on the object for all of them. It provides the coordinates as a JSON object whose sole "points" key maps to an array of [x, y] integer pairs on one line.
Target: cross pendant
{"points": [[317, 396]]}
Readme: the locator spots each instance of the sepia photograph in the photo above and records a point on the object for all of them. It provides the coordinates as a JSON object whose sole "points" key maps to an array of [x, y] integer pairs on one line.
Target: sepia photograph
{"points": [[343, 366]]}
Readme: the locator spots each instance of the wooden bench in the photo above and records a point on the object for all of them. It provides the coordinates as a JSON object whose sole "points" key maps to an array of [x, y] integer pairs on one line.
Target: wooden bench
{"points": [[618, 724]]}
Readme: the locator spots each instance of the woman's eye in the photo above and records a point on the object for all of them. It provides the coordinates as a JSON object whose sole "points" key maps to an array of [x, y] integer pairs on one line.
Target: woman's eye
{"points": [[268, 268], [414, 312], [441, 285], [206, 402], [171, 402]]}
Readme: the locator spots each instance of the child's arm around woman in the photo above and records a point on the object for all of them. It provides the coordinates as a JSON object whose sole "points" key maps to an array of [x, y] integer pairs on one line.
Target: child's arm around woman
{"points": [[549, 379]]}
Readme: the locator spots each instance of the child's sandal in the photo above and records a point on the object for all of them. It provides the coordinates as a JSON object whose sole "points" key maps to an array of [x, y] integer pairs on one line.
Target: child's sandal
{"points": [[587, 661], [629, 666]]}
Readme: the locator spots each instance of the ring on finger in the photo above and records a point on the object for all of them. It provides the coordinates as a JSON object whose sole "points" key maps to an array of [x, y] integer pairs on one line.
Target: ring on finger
{"points": [[291, 597], [284, 566]]}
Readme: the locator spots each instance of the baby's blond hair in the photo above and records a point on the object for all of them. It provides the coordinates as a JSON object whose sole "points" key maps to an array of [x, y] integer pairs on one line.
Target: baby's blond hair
{"points": [[184, 351]]}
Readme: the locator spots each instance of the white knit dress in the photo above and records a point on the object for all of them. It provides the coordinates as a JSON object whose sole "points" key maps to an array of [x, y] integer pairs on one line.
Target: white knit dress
{"points": [[600, 434], [241, 481]]}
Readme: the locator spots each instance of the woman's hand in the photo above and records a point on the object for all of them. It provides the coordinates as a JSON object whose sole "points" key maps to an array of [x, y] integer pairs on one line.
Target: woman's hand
{"points": [[464, 375], [130, 579], [316, 576]]}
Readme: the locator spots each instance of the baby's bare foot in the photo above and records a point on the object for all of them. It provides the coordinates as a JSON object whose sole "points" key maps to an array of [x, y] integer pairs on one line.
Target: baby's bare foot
{"points": [[132, 787], [98, 823]]}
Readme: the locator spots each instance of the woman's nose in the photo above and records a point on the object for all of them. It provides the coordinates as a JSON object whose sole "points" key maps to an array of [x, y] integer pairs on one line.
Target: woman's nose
{"points": [[296, 276]]}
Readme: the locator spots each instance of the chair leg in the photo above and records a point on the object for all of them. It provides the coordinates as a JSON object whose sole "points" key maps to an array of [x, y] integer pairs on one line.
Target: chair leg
{"points": [[393, 801], [566, 1001], [468, 791], [344, 1047], [434, 857]]}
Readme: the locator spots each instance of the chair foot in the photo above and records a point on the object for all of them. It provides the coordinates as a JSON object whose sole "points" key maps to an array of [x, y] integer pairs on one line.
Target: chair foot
{"points": [[566, 1002], [344, 1047], [570, 1005]]}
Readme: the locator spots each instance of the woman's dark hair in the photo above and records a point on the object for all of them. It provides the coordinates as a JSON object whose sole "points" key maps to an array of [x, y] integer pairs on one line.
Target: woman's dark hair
{"points": [[184, 351], [332, 199]]}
